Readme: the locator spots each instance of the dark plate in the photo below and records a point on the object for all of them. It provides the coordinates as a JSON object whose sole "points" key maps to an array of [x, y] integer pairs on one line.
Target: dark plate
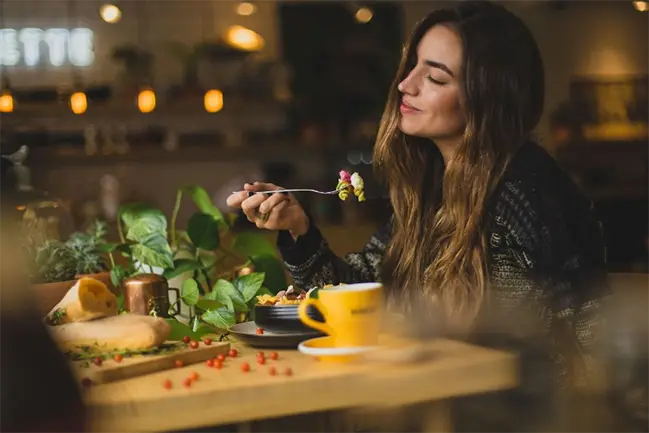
{"points": [[247, 333], [284, 318]]}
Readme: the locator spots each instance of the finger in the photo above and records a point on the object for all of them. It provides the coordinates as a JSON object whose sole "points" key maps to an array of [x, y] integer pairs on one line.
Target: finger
{"points": [[236, 198], [250, 205], [274, 219], [272, 201]]}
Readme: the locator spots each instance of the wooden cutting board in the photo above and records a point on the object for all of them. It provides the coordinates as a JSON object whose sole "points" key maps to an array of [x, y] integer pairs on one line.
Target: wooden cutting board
{"points": [[139, 365]]}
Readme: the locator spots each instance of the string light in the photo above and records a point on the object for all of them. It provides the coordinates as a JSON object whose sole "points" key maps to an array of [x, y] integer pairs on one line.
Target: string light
{"points": [[246, 9], [146, 101], [6, 102], [110, 13], [213, 101], [78, 102]]}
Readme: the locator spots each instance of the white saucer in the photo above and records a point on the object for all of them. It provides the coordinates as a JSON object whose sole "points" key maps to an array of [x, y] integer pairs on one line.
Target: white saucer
{"points": [[322, 348]]}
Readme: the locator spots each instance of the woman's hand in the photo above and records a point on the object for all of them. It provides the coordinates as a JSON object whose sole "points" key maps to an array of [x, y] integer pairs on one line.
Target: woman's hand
{"points": [[270, 211]]}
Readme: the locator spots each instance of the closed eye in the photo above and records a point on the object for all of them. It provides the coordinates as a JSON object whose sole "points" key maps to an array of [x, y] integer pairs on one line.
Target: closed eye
{"points": [[432, 80]]}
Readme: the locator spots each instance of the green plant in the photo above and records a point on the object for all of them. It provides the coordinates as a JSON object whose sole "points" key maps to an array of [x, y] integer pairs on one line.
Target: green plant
{"points": [[54, 260], [207, 252]]}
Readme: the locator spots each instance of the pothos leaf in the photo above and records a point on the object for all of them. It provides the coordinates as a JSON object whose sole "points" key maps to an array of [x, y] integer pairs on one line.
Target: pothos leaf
{"points": [[189, 292]]}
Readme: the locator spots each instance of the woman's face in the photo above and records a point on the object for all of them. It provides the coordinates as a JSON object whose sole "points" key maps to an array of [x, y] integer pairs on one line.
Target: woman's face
{"points": [[431, 93]]}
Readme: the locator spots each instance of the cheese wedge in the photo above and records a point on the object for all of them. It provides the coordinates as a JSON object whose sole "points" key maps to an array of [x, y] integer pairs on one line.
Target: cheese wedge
{"points": [[126, 331], [88, 299]]}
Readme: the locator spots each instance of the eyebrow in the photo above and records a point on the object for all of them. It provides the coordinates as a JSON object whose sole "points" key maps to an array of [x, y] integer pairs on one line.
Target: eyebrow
{"points": [[438, 65]]}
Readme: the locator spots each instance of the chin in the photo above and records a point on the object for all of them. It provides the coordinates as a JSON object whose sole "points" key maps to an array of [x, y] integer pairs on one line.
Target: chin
{"points": [[408, 129]]}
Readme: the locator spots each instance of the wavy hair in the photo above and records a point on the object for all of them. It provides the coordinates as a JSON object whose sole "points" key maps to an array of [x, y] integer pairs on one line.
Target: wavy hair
{"points": [[438, 246]]}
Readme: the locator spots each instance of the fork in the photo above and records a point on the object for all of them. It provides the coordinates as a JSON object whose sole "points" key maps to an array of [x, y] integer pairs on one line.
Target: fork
{"points": [[286, 191]]}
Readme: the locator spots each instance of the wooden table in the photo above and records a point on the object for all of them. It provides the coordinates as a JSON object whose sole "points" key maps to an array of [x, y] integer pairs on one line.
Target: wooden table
{"points": [[229, 396]]}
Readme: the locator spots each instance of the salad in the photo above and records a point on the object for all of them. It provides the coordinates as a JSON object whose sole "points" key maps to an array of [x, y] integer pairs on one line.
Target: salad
{"points": [[350, 184]]}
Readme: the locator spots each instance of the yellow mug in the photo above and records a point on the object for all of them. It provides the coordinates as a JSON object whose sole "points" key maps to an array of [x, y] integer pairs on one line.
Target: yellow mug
{"points": [[352, 313]]}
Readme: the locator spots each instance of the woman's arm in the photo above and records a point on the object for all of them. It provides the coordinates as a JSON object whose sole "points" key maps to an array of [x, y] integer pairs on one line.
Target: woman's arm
{"points": [[312, 263]]}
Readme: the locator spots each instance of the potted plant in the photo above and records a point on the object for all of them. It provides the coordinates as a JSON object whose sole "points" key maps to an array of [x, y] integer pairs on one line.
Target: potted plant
{"points": [[222, 271], [56, 265]]}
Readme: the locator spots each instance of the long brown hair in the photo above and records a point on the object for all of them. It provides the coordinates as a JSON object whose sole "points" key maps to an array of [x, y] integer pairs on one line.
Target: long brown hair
{"points": [[438, 247]]}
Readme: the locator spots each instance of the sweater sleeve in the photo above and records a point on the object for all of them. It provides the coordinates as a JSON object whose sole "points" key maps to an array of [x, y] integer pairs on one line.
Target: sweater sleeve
{"points": [[561, 267], [311, 262]]}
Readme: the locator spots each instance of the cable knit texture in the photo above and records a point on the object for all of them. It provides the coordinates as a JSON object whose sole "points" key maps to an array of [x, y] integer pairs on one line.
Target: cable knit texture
{"points": [[546, 256]]}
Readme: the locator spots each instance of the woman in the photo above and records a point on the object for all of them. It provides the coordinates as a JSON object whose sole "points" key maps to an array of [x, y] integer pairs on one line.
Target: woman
{"points": [[482, 215]]}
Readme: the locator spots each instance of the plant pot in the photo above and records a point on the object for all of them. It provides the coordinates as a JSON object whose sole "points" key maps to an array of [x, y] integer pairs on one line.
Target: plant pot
{"points": [[47, 295]]}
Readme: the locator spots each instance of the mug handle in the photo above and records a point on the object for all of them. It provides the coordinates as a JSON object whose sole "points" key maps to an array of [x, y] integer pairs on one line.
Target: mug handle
{"points": [[176, 305], [304, 317]]}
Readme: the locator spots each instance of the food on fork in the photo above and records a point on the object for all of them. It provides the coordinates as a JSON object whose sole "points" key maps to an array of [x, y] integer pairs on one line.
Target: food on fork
{"points": [[350, 184]]}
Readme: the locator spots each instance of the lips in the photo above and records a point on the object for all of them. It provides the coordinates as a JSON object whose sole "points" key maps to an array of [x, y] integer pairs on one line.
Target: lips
{"points": [[406, 108]]}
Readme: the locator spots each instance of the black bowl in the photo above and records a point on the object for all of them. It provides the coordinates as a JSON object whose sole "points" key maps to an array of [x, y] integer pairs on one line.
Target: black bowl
{"points": [[284, 318]]}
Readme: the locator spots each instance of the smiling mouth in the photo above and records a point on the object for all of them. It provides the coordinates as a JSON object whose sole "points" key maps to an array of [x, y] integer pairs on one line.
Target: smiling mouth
{"points": [[407, 108]]}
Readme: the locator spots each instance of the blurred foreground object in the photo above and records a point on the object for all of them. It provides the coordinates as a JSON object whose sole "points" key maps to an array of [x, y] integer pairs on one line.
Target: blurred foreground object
{"points": [[38, 392]]}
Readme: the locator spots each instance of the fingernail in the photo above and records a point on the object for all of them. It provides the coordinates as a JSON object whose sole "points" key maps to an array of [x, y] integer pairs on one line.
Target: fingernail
{"points": [[250, 194]]}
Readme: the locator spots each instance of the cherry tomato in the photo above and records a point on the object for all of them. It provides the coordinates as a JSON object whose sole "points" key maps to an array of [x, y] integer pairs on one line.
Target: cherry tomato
{"points": [[233, 353], [260, 331], [288, 372], [193, 344], [194, 376], [245, 367], [167, 384], [274, 356], [97, 361], [219, 364], [209, 363], [272, 371], [118, 358], [207, 341], [186, 339], [261, 360], [187, 382], [178, 363], [260, 354], [221, 357]]}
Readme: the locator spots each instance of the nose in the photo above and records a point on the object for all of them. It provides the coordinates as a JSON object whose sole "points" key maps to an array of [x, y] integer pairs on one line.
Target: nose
{"points": [[408, 86]]}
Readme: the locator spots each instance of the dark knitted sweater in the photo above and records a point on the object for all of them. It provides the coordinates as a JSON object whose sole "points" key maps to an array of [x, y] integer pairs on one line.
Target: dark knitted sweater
{"points": [[546, 251]]}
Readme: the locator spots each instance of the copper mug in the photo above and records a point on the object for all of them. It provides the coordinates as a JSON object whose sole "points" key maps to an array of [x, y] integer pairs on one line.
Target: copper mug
{"points": [[148, 294]]}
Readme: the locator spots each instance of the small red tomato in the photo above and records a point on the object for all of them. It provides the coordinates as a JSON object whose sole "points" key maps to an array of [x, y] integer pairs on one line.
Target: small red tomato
{"points": [[260, 331], [274, 356], [233, 353], [221, 357], [178, 363], [97, 361], [86, 382], [186, 339], [272, 371], [187, 382], [194, 376], [261, 360], [167, 384], [245, 367], [209, 363], [118, 358], [193, 344], [207, 341], [260, 354], [288, 372], [219, 364]]}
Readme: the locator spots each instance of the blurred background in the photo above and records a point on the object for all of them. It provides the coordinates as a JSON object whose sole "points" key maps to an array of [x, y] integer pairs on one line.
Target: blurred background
{"points": [[126, 101]]}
